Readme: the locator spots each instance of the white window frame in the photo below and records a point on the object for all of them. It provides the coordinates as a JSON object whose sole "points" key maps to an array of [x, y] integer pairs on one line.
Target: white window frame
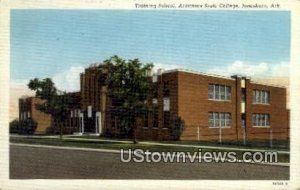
{"points": [[261, 120], [219, 92], [261, 97], [90, 111], [219, 119]]}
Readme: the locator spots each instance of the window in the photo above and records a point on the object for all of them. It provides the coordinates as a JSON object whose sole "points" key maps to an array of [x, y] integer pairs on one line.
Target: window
{"points": [[227, 119], [222, 119], [261, 97], [261, 120], [211, 91], [222, 92], [146, 120], [89, 111], [227, 92], [219, 119], [155, 116], [166, 106], [211, 119], [166, 119], [166, 91], [219, 92], [216, 118], [154, 101]]}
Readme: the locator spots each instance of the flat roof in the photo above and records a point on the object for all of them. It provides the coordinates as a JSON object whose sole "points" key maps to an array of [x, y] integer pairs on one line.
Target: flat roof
{"points": [[221, 76], [268, 84], [197, 73]]}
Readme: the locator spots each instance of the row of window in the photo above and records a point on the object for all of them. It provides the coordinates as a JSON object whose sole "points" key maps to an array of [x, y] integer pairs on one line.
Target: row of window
{"points": [[223, 92], [75, 113], [24, 115], [216, 119], [261, 120], [223, 119], [219, 92], [219, 119], [261, 97]]}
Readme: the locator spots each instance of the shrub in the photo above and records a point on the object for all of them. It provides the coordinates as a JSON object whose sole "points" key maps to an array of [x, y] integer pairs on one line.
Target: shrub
{"points": [[14, 126], [177, 126], [27, 126], [51, 131]]}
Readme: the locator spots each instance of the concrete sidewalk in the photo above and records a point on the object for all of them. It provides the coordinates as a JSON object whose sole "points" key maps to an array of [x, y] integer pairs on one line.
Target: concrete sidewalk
{"points": [[71, 137]]}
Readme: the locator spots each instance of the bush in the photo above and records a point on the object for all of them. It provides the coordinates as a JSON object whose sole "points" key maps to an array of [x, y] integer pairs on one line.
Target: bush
{"points": [[177, 126], [14, 126], [27, 126], [51, 131]]}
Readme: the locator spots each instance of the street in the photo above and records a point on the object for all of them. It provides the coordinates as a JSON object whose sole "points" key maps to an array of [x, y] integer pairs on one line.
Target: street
{"points": [[47, 163]]}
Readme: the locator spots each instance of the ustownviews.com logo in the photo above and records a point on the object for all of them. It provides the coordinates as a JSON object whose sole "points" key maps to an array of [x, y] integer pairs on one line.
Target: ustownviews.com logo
{"points": [[139, 155]]}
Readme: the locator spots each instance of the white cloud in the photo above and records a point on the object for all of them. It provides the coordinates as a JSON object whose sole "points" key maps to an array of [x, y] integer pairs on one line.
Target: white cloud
{"points": [[18, 83], [262, 69], [165, 66], [68, 80], [281, 69]]}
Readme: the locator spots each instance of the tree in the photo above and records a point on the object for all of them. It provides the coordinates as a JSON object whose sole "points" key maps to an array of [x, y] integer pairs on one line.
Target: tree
{"points": [[128, 86], [55, 104]]}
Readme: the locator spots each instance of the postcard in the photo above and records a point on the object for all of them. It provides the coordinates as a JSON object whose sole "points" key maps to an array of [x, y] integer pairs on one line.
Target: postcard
{"points": [[150, 94]]}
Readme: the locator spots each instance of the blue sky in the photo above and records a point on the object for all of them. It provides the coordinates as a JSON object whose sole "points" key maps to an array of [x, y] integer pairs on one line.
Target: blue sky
{"points": [[52, 43]]}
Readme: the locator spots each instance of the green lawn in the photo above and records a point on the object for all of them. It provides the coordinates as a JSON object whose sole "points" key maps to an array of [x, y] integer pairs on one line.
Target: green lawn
{"points": [[125, 146], [259, 144]]}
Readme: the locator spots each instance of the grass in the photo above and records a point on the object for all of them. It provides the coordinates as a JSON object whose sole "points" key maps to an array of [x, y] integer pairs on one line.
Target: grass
{"points": [[259, 144], [118, 145]]}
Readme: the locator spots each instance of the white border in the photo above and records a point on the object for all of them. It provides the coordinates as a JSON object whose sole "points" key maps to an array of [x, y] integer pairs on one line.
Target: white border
{"points": [[5, 183]]}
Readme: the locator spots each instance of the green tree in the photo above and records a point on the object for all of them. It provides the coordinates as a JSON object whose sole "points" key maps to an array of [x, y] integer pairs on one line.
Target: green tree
{"points": [[128, 86], [56, 102]]}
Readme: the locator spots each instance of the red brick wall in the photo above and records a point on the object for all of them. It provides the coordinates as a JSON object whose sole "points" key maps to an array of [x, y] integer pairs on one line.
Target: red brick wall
{"points": [[161, 133], [194, 106], [45, 121], [189, 100], [279, 118]]}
